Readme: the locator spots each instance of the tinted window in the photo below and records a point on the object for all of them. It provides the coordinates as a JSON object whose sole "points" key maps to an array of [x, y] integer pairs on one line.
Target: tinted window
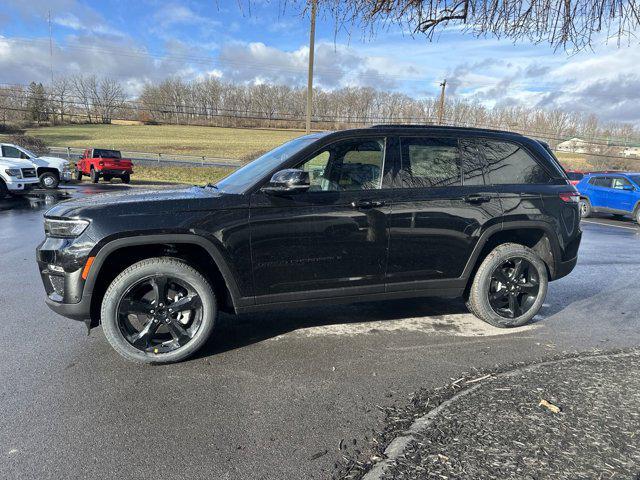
{"points": [[429, 162], [347, 165], [473, 164], [12, 152], [99, 152], [636, 179], [600, 182], [575, 176], [509, 163]]}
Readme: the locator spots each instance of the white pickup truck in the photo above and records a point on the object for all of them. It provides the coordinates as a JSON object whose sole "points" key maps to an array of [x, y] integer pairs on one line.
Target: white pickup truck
{"points": [[50, 171], [16, 175]]}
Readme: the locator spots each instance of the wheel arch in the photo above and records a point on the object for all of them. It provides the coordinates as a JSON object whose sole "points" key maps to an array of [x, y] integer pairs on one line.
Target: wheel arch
{"points": [[202, 254], [538, 236], [41, 170]]}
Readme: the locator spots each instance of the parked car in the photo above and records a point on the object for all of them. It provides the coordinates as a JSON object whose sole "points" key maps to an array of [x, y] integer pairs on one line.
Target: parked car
{"points": [[100, 162], [16, 175], [50, 170], [574, 176], [616, 193], [357, 215]]}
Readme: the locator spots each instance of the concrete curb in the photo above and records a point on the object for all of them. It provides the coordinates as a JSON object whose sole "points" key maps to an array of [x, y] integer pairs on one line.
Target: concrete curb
{"points": [[399, 444]]}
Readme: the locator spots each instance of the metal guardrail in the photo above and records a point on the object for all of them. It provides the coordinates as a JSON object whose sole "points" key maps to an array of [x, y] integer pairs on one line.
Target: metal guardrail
{"points": [[147, 158]]}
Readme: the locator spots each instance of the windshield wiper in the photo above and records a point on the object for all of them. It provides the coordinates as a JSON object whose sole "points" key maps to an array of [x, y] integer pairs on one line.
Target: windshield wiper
{"points": [[211, 185]]}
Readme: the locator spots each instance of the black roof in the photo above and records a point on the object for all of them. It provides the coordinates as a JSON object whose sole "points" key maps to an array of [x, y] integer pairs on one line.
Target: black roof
{"points": [[444, 127]]}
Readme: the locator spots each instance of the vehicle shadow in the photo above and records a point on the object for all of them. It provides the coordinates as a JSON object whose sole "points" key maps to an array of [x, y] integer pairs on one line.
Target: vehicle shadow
{"points": [[237, 331]]}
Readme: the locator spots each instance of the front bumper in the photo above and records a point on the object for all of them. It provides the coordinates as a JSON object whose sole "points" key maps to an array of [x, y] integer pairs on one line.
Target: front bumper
{"points": [[20, 185], [80, 311], [65, 176]]}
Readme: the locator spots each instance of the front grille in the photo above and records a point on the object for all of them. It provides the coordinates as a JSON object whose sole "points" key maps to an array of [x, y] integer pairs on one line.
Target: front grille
{"points": [[28, 173]]}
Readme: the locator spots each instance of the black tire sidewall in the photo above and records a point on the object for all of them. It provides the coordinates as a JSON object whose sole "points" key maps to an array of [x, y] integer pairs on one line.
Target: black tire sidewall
{"points": [[4, 191], [78, 175], [482, 282], [94, 176], [126, 178], [587, 207], [56, 181], [145, 269]]}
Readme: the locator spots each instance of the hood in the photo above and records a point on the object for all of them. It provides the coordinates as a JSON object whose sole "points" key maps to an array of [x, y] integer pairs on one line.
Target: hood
{"points": [[15, 163], [136, 202], [55, 162]]}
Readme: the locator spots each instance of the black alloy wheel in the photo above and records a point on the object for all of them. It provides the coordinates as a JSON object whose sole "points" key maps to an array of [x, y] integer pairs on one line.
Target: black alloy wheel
{"points": [[159, 314], [514, 288]]}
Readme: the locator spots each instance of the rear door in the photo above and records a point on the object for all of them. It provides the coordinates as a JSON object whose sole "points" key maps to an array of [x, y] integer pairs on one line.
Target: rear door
{"points": [[599, 188], [440, 206]]}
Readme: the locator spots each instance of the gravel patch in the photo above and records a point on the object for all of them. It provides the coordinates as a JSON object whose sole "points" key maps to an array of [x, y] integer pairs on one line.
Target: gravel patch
{"points": [[494, 426]]}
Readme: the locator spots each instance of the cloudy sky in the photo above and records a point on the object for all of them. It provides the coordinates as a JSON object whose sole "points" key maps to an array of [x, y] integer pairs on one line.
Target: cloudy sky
{"points": [[141, 40]]}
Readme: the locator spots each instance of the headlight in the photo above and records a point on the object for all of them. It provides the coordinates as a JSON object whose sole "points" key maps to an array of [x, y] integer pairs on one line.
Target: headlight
{"points": [[14, 172], [64, 228]]}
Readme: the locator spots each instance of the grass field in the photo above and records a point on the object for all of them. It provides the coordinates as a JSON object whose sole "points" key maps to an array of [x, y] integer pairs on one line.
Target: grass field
{"points": [[176, 139], [188, 175]]}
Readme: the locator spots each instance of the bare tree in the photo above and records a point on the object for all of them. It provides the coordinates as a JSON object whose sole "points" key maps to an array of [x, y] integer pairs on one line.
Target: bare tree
{"points": [[571, 24]]}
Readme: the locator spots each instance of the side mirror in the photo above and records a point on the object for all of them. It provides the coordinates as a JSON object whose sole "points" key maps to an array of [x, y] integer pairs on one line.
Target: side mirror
{"points": [[290, 180]]}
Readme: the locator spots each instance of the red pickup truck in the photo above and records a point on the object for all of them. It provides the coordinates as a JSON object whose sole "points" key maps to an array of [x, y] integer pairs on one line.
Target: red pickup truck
{"points": [[99, 162]]}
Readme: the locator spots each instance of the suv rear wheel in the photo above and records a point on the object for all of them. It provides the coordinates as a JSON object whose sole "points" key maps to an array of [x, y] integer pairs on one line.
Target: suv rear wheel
{"points": [[585, 207], [159, 310], [509, 286]]}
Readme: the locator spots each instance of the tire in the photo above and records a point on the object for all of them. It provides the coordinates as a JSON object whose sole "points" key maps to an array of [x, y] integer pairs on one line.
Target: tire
{"points": [[49, 180], [485, 285], [107, 178], [584, 207], [95, 176], [115, 326], [77, 174], [126, 178], [4, 191], [636, 215]]}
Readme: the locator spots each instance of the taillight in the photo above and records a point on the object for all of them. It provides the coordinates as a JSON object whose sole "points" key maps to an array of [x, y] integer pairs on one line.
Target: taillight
{"points": [[570, 197]]}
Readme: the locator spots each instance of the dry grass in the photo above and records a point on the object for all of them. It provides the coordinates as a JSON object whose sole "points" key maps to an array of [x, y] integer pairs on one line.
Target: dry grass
{"points": [[176, 139], [187, 175]]}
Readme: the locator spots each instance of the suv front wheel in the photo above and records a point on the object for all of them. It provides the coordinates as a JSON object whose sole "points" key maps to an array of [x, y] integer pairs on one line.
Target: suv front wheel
{"points": [[509, 286], [158, 310]]}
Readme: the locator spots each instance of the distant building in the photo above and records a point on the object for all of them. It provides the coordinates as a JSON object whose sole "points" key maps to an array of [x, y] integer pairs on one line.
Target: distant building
{"points": [[574, 145], [633, 152]]}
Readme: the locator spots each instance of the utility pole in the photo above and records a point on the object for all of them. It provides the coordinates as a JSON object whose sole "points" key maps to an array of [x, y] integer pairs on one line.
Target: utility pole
{"points": [[312, 40], [50, 49], [441, 109]]}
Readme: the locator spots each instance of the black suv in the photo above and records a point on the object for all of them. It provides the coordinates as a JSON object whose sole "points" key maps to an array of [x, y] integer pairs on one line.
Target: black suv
{"points": [[356, 215]]}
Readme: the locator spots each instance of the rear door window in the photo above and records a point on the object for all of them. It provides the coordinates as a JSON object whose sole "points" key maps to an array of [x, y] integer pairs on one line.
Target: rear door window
{"points": [[473, 164], [509, 163], [600, 182], [429, 162], [618, 183]]}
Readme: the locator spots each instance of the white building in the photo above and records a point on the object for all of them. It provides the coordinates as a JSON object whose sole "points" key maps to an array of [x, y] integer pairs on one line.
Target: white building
{"points": [[574, 145]]}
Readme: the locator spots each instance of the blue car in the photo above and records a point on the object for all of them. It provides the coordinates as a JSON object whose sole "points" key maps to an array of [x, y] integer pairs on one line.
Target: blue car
{"points": [[616, 193]]}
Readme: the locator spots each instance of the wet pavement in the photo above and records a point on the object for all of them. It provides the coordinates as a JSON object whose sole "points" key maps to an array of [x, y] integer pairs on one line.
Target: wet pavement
{"points": [[272, 395]]}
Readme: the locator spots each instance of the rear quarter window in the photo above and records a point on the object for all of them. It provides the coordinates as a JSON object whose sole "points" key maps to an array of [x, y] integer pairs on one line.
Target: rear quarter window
{"points": [[509, 163]]}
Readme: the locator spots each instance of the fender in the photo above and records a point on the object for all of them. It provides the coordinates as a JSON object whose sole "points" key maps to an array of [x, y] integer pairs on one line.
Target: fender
{"points": [[517, 225], [209, 246]]}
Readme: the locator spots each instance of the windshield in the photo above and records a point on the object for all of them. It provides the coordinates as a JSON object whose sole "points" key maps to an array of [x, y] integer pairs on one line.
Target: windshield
{"points": [[245, 176], [98, 152], [29, 152]]}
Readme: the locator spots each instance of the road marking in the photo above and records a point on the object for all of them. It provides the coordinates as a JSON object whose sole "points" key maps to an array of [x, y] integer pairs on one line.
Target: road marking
{"points": [[610, 225]]}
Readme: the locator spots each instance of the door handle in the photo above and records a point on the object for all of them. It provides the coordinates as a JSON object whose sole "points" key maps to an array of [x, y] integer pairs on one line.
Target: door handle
{"points": [[476, 198], [365, 204]]}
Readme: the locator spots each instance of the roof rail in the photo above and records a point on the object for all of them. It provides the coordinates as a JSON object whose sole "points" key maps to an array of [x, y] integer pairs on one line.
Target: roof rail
{"points": [[442, 127]]}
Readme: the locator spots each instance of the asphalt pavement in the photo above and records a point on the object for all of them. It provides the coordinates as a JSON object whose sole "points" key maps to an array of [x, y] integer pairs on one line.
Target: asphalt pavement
{"points": [[272, 395]]}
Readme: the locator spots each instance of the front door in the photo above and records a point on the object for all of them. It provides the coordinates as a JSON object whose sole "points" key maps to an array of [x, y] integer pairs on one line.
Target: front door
{"points": [[620, 197], [439, 208], [330, 240]]}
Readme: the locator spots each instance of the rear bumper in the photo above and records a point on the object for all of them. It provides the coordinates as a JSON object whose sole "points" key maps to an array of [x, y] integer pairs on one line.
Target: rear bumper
{"points": [[564, 268], [116, 172]]}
